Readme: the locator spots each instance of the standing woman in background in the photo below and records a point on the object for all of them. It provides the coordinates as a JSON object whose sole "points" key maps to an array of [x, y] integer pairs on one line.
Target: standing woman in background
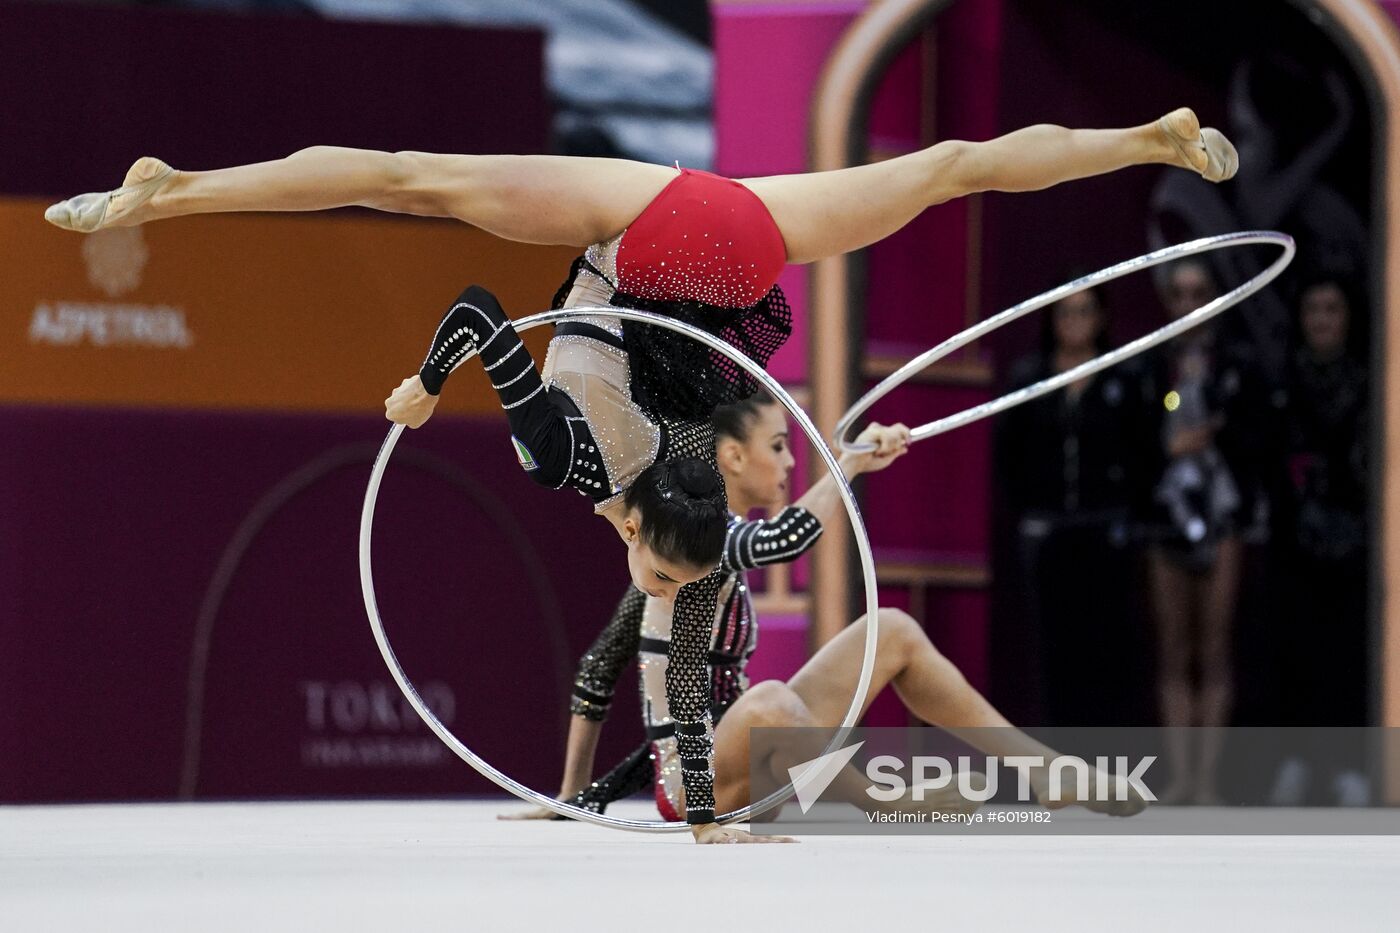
{"points": [[1075, 476], [1209, 411], [1322, 541]]}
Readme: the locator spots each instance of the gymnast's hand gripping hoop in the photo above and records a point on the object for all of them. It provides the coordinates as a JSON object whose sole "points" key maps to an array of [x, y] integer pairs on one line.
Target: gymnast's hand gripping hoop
{"points": [[1162, 334], [867, 564]]}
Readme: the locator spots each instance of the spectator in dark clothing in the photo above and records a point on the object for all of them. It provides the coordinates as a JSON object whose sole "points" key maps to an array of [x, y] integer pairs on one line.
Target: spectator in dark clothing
{"points": [[1321, 538], [1212, 420], [1073, 476]]}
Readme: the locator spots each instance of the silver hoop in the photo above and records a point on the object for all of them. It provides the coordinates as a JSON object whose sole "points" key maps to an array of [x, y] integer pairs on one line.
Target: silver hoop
{"points": [[1162, 334], [867, 563]]}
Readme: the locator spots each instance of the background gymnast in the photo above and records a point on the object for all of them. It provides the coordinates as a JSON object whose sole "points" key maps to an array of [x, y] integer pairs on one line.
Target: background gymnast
{"points": [[754, 457], [691, 244]]}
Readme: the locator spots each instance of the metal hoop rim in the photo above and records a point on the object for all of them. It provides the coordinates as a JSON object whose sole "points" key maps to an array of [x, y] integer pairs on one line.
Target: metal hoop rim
{"points": [[1162, 334], [527, 794]]}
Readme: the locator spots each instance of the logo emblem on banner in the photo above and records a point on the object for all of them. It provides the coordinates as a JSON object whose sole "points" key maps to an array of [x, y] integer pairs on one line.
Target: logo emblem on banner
{"points": [[115, 259]]}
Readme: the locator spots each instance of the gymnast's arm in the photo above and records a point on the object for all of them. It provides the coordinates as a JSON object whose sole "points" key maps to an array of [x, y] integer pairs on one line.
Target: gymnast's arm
{"points": [[778, 540], [599, 670], [791, 533], [688, 695], [824, 500], [476, 323], [688, 698]]}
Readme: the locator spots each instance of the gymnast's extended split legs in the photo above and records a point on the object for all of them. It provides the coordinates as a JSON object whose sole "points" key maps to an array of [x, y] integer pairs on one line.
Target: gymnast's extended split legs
{"points": [[580, 201]]}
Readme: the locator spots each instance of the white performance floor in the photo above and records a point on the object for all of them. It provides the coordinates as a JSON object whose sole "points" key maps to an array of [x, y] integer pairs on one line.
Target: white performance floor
{"points": [[434, 866]]}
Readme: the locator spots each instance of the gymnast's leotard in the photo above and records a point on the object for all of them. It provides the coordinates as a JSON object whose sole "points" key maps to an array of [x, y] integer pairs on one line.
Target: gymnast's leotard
{"points": [[703, 238], [640, 627], [616, 398]]}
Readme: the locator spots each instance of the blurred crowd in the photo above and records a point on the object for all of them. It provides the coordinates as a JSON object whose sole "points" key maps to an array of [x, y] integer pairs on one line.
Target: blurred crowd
{"points": [[1184, 539], [1184, 475]]}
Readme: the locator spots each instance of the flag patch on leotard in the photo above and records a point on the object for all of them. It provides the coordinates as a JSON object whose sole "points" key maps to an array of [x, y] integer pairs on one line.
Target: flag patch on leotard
{"points": [[522, 453]]}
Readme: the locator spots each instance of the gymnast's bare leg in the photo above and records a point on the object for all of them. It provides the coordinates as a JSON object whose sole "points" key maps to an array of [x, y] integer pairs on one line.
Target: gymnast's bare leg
{"points": [[529, 199], [931, 687], [578, 201], [825, 214]]}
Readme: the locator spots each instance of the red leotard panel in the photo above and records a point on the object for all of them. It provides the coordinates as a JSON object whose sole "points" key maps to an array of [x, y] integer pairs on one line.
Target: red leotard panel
{"points": [[703, 238], [664, 806]]}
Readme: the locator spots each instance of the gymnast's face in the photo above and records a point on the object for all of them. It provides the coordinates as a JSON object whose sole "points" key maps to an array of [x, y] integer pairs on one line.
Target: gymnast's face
{"points": [[758, 468], [651, 573]]}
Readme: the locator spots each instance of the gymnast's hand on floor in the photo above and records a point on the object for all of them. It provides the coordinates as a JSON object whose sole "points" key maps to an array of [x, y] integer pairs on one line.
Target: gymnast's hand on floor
{"points": [[890, 442], [713, 833], [410, 403]]}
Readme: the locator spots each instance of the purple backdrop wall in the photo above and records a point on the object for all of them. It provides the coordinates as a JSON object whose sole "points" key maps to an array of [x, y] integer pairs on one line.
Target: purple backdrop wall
{"points": [[121, 527], [84, 92], [114, 524]]}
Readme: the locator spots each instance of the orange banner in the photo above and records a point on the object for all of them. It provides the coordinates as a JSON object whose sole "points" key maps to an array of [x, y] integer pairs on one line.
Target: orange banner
{"points": [[248, 311]]}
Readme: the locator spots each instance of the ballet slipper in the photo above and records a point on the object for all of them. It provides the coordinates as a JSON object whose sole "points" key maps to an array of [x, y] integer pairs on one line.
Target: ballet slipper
{"points": [[96, 210], [1205, 151]]}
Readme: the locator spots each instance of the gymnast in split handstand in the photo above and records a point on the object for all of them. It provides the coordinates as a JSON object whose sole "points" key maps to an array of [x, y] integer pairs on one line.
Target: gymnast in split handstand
{"points": [[751, 438], [620, 406]]}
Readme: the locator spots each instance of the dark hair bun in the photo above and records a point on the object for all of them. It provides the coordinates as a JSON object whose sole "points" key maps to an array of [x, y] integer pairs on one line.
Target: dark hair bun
{"points": [[683, 510], [696, 479]]}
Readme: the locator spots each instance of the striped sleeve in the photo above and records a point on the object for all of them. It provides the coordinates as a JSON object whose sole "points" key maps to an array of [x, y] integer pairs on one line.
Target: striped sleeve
{"points": [[777, 540], [603, 663]]}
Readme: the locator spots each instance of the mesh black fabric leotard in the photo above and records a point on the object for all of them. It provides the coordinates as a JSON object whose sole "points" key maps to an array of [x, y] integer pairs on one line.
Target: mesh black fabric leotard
{"points": [[601, 666], [692, 616], [748, 546], [733, 637]]}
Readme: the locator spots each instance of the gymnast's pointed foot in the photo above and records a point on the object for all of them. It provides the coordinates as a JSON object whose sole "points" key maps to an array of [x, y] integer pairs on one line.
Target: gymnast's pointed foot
{"points": [[1205, 151], [127, 206]]}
